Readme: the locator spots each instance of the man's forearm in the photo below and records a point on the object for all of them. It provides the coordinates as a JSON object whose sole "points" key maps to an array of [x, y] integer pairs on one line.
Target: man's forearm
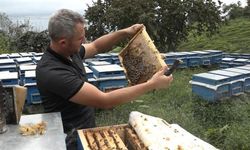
{"points": [[106, 42]]}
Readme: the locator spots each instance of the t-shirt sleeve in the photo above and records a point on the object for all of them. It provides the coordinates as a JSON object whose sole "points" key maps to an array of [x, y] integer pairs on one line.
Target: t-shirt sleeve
{"points": [[64, 83], [82, 51]]}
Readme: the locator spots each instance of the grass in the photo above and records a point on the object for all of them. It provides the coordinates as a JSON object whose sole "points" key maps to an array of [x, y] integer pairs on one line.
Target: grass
{"points": [[224, 124], [233, 37]]}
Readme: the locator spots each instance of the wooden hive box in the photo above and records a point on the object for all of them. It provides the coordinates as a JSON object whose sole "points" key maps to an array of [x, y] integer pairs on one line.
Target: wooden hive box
{"points": [[140, 58], [117, 137]]}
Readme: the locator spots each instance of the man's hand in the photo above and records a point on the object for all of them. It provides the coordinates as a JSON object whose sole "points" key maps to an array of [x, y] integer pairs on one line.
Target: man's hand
{"points": [[132, 30], [159, 80]]}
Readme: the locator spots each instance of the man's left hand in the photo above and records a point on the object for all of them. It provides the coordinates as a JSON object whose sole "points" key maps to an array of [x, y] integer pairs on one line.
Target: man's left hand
{"points": [[132, 30]]}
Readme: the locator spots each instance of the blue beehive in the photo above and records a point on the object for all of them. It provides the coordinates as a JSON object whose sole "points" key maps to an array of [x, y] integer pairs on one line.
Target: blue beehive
{"points": [[37, 54], [216, 56], [246, 67], [104, 71], [104, 57], [29, 77], [211, 87], [89, 73], [25, 54], [115, 58], [236, 79], [227, 62], [9, 78], [206, 57], [169, 58], [246, 77], [36, 59], [240, 62], [193, 60], [8, 65], [183, 57], [14, 55], [4, 56], [245, 56], [24, 60], [109, 77], [98, 63], [33, 95], [22, 69]]}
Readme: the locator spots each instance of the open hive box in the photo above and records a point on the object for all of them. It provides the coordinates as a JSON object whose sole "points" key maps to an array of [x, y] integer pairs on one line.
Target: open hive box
{"points": [[118, 137], [140, 58], [144, 132]]}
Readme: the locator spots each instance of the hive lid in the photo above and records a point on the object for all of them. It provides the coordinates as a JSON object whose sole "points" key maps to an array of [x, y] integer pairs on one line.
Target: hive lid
{"points": [[140, 58]]}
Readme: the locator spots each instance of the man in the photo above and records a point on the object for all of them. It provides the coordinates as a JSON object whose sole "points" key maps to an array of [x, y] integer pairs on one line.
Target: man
{"points": [[61, 77]]}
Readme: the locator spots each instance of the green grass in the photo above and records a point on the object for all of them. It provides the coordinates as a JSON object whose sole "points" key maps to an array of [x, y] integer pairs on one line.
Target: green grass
{"points": [[225, 124], [233, 37]]}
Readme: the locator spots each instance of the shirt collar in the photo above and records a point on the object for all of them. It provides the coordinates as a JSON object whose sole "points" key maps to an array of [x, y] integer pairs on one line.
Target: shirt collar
{"points": [[60, 57]]}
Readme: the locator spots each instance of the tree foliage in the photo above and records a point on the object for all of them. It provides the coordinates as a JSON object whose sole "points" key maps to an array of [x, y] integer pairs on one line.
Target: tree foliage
{"points": [[168, 22], [19, 37]]}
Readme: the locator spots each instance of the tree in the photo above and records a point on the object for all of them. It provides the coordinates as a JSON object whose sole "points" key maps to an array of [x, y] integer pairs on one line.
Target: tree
{"points": [[233, 11], [168, 22], [19, 37]]}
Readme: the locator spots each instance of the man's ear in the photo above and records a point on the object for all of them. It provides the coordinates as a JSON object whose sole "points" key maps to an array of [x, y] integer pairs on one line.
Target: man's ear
{"points": [[62, 42]]}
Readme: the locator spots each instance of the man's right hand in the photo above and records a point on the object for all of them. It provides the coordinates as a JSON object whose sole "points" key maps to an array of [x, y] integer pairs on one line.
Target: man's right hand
{"points": [[159, 80]]}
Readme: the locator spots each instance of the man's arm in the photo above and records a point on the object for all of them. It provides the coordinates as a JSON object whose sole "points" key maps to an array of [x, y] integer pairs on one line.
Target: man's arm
{"points": [[106, 42], [91, 96]]}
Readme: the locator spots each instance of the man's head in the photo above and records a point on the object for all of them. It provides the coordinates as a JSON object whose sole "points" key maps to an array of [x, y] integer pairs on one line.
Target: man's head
{"points": [[66, 28]]}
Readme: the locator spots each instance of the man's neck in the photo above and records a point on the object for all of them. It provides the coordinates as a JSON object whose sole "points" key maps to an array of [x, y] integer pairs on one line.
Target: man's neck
{"points": [[56, 48]]}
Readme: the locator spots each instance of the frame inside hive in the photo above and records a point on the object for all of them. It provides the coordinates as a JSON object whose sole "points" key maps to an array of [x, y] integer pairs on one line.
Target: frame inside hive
{"points": [[140, 58], [118, 137]]}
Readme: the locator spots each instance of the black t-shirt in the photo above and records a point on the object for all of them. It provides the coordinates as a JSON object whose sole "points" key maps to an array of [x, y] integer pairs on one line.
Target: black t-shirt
{"points": [[58, 79]]}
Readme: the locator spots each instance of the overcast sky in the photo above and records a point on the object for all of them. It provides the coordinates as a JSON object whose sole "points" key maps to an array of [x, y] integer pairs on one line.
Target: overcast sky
{"points": [[40, 10], [41, 7]]}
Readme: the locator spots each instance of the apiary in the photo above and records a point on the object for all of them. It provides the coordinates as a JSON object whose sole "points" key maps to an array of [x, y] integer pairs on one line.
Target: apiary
{"points": [[211, 87], [140, 58]]}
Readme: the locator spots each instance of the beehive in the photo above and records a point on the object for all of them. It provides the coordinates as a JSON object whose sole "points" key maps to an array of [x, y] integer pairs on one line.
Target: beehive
{"points": [[140, 58], [118, 137]]}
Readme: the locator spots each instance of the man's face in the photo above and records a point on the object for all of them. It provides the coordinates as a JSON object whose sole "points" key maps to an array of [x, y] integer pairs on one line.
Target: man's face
{"points": [[78, 39]]}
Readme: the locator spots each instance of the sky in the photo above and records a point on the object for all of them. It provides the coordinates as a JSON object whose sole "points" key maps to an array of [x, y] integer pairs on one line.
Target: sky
{"points": [[38, 11]]}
